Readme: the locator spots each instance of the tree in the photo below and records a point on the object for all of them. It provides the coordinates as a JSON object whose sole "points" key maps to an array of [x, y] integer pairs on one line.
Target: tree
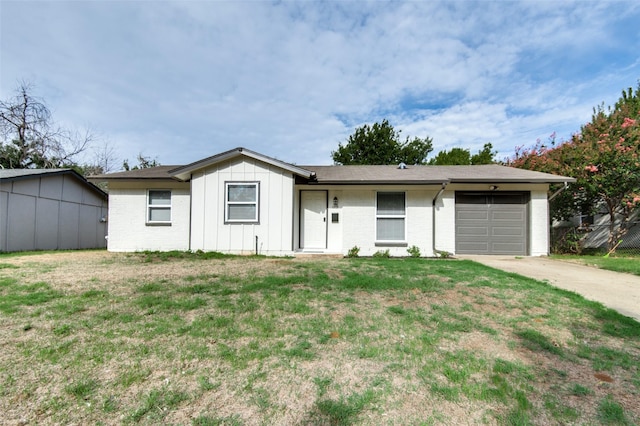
{"points": [[604, 159], [143, 163], [485, 156], [104, 161], [463, 157], [30, 138], [380, 144], [457, 156]]}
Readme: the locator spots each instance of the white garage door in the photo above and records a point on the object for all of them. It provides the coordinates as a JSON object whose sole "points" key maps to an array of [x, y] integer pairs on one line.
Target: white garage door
{"points": [[491, 223]]}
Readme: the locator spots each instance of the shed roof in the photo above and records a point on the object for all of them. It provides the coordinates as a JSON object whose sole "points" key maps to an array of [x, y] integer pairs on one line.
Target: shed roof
{"points": [[20, 174]]}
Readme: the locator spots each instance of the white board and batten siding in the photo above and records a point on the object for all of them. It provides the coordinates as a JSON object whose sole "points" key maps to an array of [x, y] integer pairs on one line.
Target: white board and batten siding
{"points": [[128, 227], [274, 229]]}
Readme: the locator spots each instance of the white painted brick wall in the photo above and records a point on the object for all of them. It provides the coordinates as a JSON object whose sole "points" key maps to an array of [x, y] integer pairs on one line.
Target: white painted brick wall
{"points": [[127, 222]]}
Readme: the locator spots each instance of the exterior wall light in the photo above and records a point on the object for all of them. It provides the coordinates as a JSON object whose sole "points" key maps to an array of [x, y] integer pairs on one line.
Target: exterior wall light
{"points": [[335, 202]]}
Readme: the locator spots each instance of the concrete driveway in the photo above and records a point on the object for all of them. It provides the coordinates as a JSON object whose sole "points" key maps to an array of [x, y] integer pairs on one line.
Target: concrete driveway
{"points": [[615, 290]]}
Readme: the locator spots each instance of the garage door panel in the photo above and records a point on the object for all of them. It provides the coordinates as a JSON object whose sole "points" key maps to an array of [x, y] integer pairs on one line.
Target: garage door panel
{"points": [[517, 216], [473, 215], [491, 223], [506, 248], [471, 199], [473, 230], [503, 231], [474, 247]]}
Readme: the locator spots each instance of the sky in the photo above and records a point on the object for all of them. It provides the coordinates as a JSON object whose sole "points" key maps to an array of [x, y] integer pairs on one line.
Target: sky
{"points": [[181, 81]]}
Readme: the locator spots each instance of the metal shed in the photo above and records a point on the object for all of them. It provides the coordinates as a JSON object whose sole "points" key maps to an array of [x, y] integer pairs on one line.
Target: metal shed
{"points": [[50, 209]]}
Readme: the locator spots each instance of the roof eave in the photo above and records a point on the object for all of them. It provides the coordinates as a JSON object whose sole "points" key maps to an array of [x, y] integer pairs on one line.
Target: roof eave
{"points": [[379, 182], [514, 181], [136, 179]]}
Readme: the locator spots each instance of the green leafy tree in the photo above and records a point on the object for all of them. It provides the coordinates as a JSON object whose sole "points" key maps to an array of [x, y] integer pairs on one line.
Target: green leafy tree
{"points": [[604, 159], [463, 157], [380, 144], [143, 163], [30, 138], [485, 156], [456, 156]]}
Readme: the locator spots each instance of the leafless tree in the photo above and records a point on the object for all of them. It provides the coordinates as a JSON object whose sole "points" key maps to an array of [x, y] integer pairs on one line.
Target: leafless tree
{"points": [[30, 138]]}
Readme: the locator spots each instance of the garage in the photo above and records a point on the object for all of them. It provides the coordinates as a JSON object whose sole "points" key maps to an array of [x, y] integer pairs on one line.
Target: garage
{"points": [[492, 223]]}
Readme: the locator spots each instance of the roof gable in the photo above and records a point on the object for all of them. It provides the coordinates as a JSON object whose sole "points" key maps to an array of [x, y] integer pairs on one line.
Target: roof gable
{"points": [[184, 172]]}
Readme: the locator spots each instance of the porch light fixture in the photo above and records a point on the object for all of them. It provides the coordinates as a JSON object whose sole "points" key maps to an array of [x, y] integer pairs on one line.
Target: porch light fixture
{"points": [[335, 202]]}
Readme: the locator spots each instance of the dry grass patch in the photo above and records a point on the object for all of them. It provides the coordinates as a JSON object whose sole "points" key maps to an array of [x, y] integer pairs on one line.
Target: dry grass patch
{"points": [[97, 337]]}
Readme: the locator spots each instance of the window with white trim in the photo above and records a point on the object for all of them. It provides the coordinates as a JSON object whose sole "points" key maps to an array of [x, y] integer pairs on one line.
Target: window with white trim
{"points": [[390, 216], [158, 206], [241, 202]]}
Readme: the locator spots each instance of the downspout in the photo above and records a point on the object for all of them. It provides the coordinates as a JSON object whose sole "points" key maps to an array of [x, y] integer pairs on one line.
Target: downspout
{"points": [[554, 195], [433, 218], [191, 212]]}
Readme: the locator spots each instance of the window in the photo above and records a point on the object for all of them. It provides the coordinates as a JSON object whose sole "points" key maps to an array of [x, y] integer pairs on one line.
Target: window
{"points": [[158, 207], [390, 216], [241, 203]]}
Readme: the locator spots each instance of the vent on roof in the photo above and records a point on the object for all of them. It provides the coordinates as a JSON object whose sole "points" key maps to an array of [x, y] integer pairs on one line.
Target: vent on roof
{"points": [[402, 166]]}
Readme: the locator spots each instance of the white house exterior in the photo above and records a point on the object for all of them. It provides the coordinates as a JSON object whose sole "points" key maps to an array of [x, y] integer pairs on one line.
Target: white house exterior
{"points": [[243, 202]]}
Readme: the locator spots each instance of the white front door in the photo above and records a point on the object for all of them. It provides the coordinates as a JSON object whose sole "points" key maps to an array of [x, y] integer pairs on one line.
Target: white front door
{"points": [[313, 218]]}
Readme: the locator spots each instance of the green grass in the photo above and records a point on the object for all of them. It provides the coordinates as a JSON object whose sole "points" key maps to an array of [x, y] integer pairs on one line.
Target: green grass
{"points": [[188, 338], [622, 263], [611, 413], [342, 411]]}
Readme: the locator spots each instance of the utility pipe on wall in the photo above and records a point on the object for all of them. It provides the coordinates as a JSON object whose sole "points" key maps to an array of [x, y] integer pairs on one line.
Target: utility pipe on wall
{"points": [[433, 216]]}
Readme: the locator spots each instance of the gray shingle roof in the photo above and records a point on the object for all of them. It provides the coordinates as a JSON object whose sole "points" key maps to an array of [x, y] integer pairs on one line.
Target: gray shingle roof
{"points": [[341, 175], [158, 172], [430, 174]]}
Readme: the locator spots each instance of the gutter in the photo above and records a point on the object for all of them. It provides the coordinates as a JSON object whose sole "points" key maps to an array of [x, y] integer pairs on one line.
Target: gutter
{"points": [[433, 217]]}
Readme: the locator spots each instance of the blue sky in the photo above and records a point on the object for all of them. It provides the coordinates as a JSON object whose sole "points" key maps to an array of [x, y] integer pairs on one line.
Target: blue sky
{"points": [[180, 81]]}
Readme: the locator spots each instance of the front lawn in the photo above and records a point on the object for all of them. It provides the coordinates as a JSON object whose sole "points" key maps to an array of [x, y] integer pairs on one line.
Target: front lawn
{"points": [[104, 338], [628, 264]]}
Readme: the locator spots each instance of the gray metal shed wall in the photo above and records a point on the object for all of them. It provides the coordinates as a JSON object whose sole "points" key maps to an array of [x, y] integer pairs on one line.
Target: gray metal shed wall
{"points": [[50, 212]]}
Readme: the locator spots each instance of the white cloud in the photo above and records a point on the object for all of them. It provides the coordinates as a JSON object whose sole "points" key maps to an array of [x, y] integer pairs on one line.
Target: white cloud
{"points": [[186, 80]]}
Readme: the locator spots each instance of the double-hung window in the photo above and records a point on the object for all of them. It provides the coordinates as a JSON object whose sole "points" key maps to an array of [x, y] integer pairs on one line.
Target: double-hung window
{"points": [[390, 216], [242, 202], [158, 207]]}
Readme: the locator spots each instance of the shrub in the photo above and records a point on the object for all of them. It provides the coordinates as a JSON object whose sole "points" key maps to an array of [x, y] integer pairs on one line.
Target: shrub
{"points": [[382, 253], [353, 251], [414, 251], [443, 254]]}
